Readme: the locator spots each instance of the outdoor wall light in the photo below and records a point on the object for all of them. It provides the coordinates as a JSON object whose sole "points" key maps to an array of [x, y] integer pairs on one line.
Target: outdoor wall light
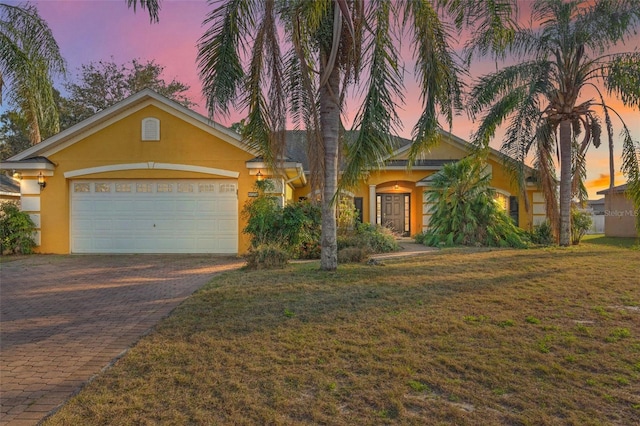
{"points": [[41, 181], [17, 175], [259, 176], [396, 187]]}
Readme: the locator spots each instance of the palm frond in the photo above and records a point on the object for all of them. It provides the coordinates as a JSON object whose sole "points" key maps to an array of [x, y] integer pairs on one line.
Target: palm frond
{"points": [[623, 78], [494, 24], [29, 59], [219, 52], [377, 118], [436, 70], [605, 23], [152, 6], [631, 168]]}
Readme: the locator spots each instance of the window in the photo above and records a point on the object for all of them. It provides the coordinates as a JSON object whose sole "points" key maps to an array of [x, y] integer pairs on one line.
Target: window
{"points": [[185, 187], [227, 187], [207, 187], [502, 200], [164, 187], [150, 129], [103, 187], [144, 187], [81, 187], [123, 187]]}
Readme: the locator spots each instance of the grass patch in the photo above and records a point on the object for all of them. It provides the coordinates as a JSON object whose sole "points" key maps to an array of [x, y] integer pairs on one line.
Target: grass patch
{"points": [[601, 240], [471, 336]]}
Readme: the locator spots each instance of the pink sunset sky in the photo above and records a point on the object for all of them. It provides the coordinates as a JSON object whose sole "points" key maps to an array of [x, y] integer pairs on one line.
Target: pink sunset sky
{"points": [[97, 30]]}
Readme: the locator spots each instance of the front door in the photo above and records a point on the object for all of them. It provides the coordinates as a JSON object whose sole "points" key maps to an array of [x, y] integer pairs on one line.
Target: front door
{"points": [[393, 213]]}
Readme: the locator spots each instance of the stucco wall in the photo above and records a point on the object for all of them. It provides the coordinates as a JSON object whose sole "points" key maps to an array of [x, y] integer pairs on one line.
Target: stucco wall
{"points": [[120, 143], [619, 216]]}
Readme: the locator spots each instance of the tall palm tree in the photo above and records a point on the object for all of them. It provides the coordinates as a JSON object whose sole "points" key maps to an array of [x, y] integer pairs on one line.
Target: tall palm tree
{"points": [[297, 59], [545, 96], [29, 58]]}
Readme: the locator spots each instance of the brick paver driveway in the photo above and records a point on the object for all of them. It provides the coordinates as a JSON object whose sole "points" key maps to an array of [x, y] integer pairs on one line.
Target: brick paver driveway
{"points": [[65, 318]]}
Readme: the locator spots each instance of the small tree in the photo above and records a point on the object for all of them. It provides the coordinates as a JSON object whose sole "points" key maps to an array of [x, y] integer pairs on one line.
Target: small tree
{"points": [[580, 223], [262, 214], [465, 212], [16, 230], [294, 228]]}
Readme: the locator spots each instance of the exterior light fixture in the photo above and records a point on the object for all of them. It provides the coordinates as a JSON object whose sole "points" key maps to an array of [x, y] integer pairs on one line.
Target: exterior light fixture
{"points": [[259, 176], [396, 187], [41, 181], [17, 175]]}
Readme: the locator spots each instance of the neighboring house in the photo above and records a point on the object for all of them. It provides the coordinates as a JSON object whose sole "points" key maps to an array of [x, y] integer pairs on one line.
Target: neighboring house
{"points": [[619, 214], [148, 175], [596, 209], [9, 189]]}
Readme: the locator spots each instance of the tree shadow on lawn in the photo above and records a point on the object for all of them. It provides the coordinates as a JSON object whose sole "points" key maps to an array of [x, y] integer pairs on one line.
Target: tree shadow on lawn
{"points": [[248, 302]]}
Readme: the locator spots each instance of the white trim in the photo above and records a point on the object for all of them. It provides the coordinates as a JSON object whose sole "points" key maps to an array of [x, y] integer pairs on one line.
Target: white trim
{"points": [[501, 191], [125, 108], [22, 166], [151, 166], [372, 204]]}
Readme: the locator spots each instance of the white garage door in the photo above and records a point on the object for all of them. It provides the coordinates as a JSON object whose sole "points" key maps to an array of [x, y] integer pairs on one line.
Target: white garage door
{"points": [[154, 216]]}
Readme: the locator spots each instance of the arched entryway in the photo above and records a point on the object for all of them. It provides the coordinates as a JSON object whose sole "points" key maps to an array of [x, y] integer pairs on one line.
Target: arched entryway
{"points": [[393, 206]]}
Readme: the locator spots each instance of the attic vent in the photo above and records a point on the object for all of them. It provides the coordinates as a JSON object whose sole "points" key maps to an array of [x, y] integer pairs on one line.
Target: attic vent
{"points": [[150, 129]]}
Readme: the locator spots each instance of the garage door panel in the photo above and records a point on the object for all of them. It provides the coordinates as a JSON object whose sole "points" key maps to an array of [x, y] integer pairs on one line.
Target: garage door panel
{"points": [[193, 217]]}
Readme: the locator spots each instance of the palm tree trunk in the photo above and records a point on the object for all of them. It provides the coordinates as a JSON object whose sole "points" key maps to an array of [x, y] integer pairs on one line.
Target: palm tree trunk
{"points": [[565, 182], [330, 125]]}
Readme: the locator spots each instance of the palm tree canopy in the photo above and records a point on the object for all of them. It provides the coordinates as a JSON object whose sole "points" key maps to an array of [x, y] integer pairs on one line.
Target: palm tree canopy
{"points": [[29, 58], [279, 77], [561, 66]]}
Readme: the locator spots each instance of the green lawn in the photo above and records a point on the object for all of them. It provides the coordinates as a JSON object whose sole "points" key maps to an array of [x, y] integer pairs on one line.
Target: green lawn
{"points": [[461, 336], [611, 241]]}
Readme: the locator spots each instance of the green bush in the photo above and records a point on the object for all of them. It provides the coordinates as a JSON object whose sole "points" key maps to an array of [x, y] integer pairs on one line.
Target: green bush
{"points": [[543, 234], [16, 230], [296, 228], [266, 256], [352, 255], [465, 212], [371, 238], [580, 223], [420, 238], [263, 215]]}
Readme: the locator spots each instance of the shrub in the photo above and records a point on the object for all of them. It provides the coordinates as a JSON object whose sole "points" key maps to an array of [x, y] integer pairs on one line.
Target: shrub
{"points": [[371, 238], [299, 230], [420, 238], [263, 214], [352, 255], [580, 223], [543, 234], [295, 228], [16, 230], [267, 256], [464, 211]]}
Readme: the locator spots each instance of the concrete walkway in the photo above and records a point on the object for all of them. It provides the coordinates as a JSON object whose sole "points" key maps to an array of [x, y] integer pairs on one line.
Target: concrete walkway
{"points": [[408, 247], [63, 319]]}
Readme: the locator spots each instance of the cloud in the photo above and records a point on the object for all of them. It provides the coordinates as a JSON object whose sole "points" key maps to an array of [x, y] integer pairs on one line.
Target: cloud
{"points": [[602, 182]]}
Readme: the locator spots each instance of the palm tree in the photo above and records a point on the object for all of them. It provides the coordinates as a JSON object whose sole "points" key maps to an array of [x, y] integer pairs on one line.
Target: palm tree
{"points": [[329, 47], [545, 96], [29, 58]]}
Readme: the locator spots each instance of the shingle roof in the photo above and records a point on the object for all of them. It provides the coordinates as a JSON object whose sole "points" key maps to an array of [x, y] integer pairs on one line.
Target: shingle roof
{"points": [[8, 185], [616, 189]]}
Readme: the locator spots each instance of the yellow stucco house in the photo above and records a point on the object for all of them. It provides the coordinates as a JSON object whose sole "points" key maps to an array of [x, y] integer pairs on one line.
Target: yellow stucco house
{"points": [[148, 175]]}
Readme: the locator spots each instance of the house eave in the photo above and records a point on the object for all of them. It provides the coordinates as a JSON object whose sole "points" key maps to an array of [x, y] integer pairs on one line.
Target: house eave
{"points": [[129, 105]]}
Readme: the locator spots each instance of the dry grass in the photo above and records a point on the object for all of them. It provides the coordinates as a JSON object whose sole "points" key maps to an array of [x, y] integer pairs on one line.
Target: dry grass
{"points": [[530, 337]]}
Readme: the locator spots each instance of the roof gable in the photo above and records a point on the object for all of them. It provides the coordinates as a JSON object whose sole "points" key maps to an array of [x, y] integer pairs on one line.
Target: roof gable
{"points": [[123, 109]]}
